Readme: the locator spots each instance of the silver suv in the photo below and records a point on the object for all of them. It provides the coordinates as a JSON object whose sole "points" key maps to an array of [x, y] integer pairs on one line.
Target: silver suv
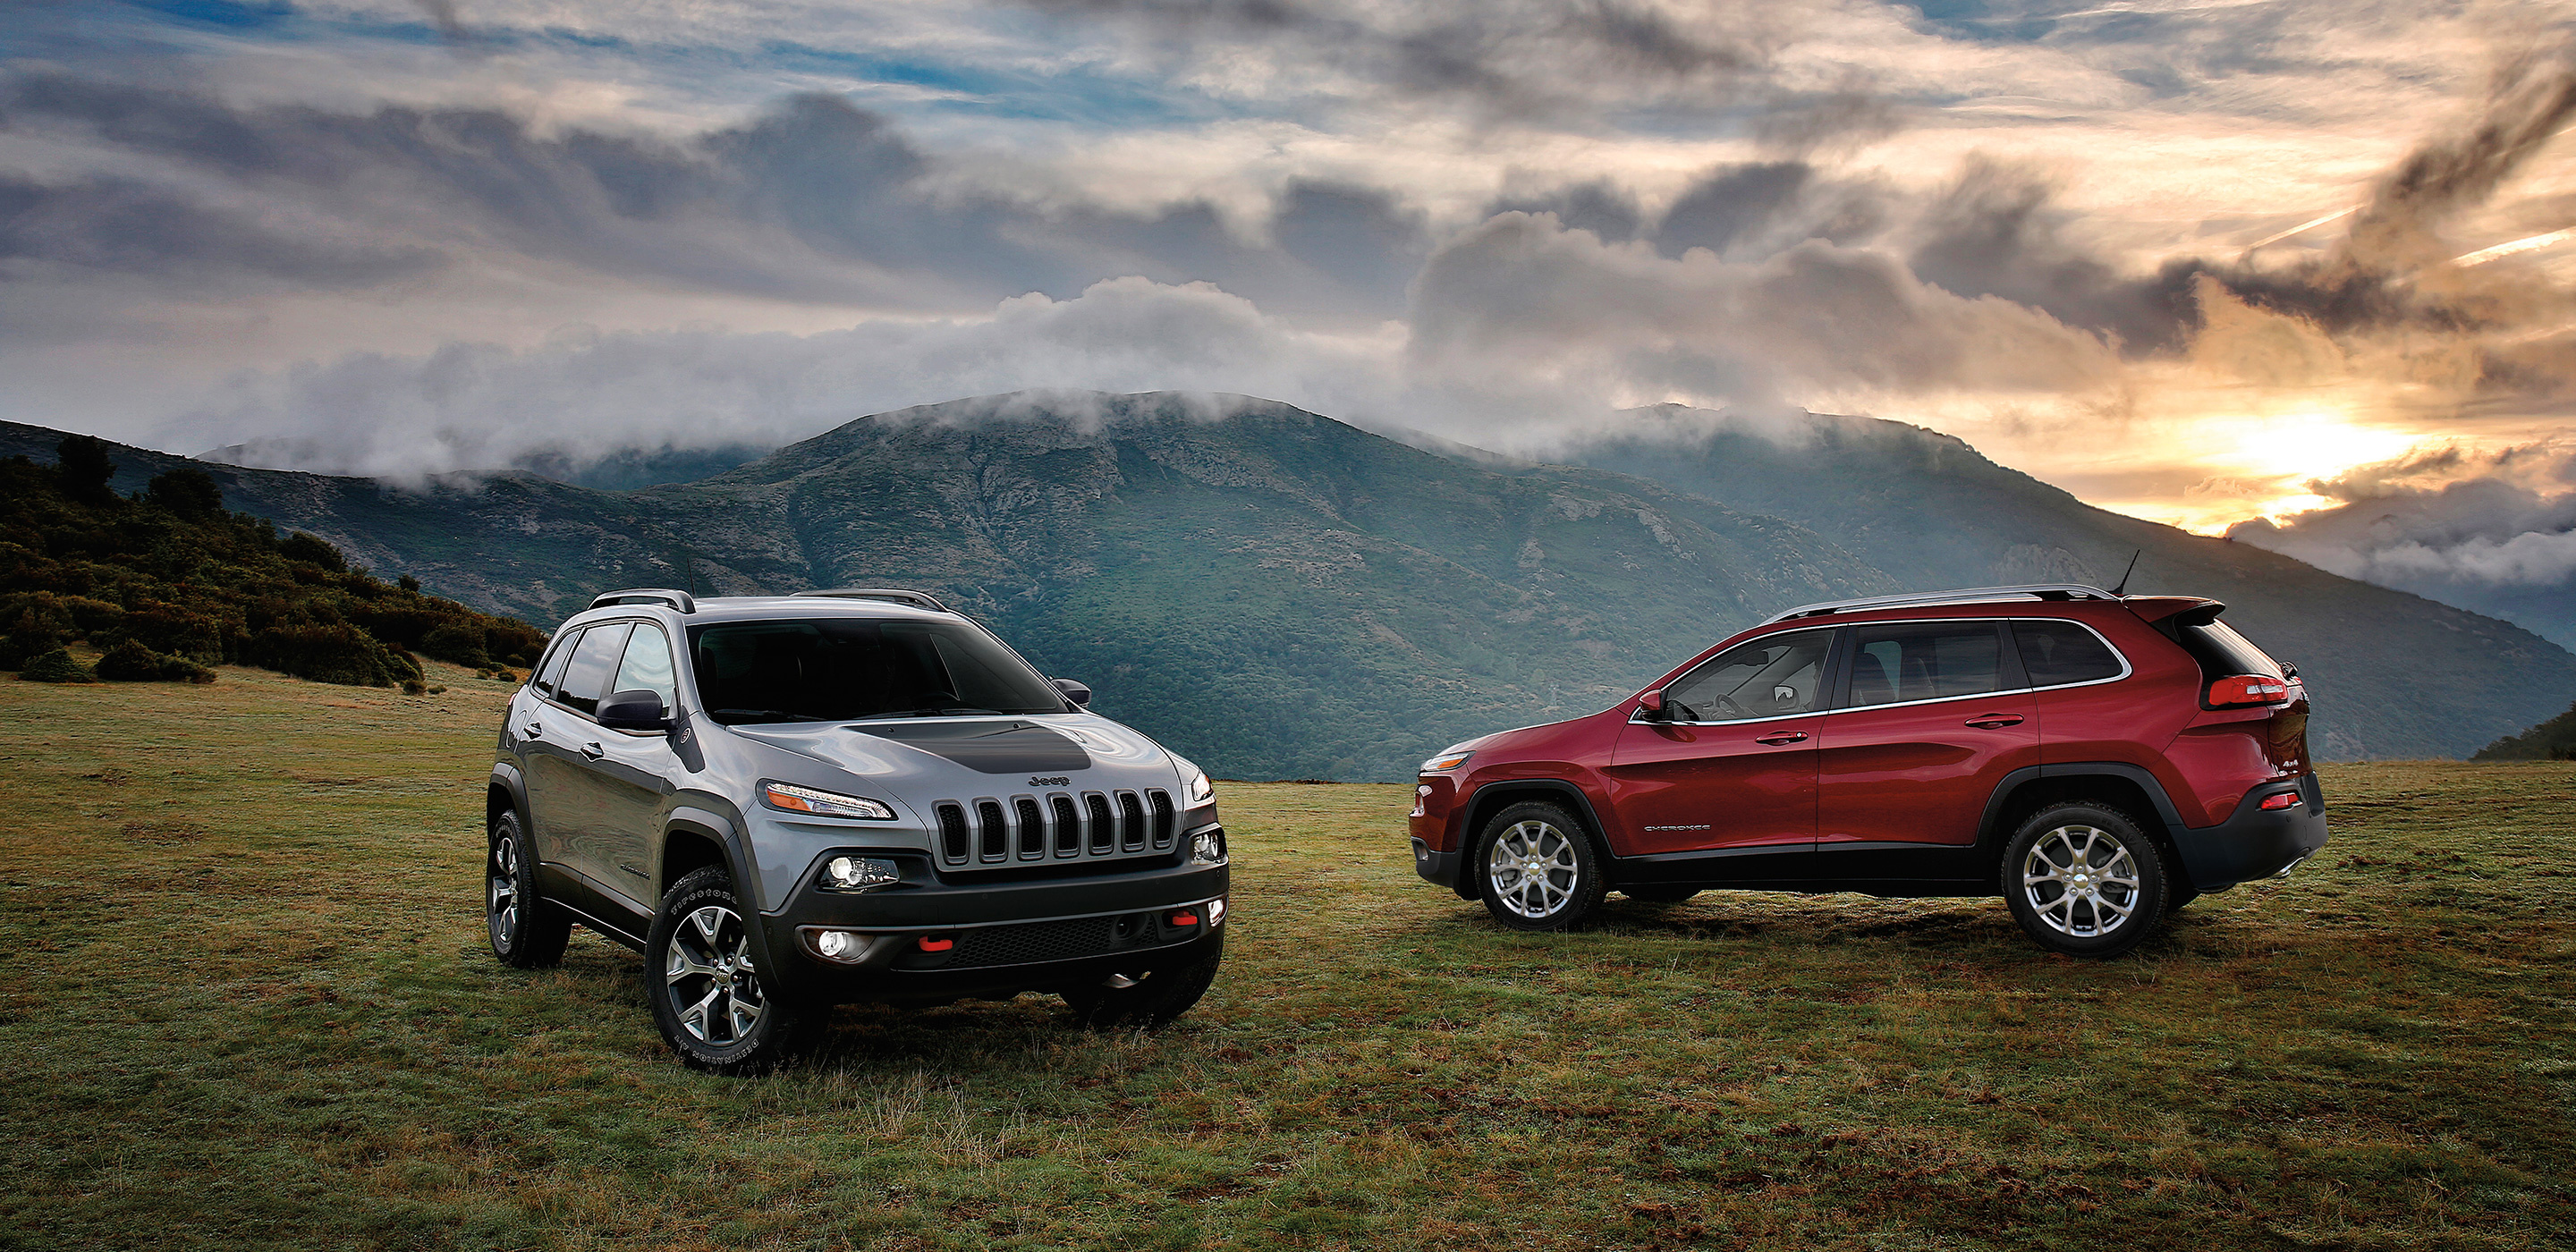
{"points": [[791, 802]]}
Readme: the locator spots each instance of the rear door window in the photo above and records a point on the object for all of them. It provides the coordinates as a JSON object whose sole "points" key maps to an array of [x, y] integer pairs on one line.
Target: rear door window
{"points": [[551, 673], [2057, 654], [1903, 662], [585, 678]]}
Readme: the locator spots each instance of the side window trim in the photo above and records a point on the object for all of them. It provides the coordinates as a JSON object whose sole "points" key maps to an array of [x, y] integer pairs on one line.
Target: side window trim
{"points": [[2011, 662], [553, 699]]}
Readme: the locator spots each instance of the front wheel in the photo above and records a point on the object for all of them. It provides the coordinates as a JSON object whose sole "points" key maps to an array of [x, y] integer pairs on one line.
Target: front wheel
{"points": [[708, 995], [2084, 880], [1150, 1002], [1536, 869]]}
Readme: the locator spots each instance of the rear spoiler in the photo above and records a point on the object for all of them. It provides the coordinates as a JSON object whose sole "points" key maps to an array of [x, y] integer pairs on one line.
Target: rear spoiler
{"points": [[2169, 613]]}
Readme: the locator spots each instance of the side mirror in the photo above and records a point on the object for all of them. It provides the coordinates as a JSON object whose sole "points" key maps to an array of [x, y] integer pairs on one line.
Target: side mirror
{"points": [[1652, 705], [634, 710], [1074, 691]]}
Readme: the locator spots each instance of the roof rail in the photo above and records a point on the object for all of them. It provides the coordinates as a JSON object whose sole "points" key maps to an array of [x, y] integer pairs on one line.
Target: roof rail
{"points": [[899, 595], [680, 600], [1967, 595]]}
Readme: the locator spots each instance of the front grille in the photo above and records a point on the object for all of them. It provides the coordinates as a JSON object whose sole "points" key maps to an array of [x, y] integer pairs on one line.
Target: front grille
{"points": [[1058, 826]]}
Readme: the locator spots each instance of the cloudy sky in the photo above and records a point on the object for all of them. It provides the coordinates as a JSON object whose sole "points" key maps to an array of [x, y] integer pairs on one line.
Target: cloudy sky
{"points": [[2197, 261]]}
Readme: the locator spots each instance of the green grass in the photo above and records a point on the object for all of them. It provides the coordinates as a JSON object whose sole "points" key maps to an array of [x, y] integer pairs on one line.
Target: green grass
{"points": [[247, 1004]]}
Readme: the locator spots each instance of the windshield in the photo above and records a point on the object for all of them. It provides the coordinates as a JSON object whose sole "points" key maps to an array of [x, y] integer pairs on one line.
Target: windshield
{"points": [[849, 669]]}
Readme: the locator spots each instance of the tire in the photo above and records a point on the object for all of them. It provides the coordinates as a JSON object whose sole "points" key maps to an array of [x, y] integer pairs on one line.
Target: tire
{"points": [[706, 994], [527, 930], [1536, 869], [2084, 879], [1155, 1001], [1647, 893]]}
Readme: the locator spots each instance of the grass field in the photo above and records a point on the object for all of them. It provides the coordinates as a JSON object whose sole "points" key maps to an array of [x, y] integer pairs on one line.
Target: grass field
{"points": [[247, 1004]]}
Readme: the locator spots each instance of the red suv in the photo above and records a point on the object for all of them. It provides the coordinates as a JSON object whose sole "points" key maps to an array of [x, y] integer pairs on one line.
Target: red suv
{"points": [[2097, 759]]}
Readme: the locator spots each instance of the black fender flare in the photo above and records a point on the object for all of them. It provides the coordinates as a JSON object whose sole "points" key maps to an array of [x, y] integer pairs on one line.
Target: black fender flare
{"points": [[1551, 788], [1990, 831], [723, 831], [507, 778]]}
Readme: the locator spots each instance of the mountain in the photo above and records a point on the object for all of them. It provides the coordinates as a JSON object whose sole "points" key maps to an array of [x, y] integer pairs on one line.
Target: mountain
{"points": [[1277, 594], [1271, 592], [2394, 674]]}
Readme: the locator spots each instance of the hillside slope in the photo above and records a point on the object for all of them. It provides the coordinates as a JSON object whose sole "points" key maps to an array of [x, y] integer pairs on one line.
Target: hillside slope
{"points": [[2395, 675]]}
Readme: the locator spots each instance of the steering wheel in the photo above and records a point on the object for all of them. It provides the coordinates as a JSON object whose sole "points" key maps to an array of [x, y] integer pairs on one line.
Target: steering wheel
{"points": [[1727, 706]]}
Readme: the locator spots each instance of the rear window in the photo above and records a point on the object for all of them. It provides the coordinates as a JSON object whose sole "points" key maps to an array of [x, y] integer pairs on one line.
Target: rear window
{"points": [[2223, 653], [849, 669], [1925, 661], [2055, 654]]}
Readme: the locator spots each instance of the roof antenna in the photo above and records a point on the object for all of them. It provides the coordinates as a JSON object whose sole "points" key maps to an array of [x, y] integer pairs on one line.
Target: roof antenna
{"points": [[2123, 588]]}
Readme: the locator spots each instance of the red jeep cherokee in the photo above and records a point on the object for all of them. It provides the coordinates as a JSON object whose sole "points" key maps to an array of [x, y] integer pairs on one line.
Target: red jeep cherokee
{"points": [[2096, 759]]}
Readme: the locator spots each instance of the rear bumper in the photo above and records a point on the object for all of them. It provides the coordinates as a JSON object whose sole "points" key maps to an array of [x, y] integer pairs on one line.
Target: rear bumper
{"points": [[2255, 842], [993, 940]]}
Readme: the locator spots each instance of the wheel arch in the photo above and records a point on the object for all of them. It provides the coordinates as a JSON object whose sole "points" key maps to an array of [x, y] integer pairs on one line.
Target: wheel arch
{"points": [[1494, 797], [2125, 787], [505, 794]]}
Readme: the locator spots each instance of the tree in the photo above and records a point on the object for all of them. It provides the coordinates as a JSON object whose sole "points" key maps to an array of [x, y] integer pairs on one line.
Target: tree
{"points": [[187, 492], [84, 467]]}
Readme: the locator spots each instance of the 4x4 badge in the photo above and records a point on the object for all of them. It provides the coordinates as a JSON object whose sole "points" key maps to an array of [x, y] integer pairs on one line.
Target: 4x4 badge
{"points": [[1050, 782]]}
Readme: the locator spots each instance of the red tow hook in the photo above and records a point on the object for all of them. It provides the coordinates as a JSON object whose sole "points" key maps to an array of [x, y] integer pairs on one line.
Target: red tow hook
{"points": [[1184, 918], [929, 944]]}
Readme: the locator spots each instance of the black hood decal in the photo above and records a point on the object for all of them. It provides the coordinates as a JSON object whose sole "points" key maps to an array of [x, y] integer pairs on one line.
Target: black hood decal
{"points": [[985, 747]]}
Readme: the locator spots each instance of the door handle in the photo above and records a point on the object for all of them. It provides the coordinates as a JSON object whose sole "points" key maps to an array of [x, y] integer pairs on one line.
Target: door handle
{"points": [[1995, 721], [534, 731], [1779, 737], [593, 751]]}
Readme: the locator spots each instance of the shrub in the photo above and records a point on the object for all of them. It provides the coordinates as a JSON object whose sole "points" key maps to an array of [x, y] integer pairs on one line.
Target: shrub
{"points": [[312, 550], [407, 583], [56, 666], [187, 491], [458, 643], [133, 663], [18, 645], [414, 687], [82, 467], [172, 629], [331, 654]]}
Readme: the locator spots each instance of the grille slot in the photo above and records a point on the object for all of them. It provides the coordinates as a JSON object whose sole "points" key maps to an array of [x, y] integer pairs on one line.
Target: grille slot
{"points": [[1131, 823], [1163, 817], [1032, 828], [994, 836], [952, 831], [1104, 836], [1068, 827]]}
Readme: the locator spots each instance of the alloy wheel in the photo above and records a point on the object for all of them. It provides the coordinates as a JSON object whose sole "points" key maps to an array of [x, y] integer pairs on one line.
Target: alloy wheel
{"points": [[710, 979], [1532, 868], [501, 884], [2081, 881]]}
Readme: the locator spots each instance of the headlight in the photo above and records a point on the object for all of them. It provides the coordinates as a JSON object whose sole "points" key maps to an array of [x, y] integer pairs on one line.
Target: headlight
{"points": [[1449, 758], [1202, 792], [857, 873], [797, 799], [1208, 846]]}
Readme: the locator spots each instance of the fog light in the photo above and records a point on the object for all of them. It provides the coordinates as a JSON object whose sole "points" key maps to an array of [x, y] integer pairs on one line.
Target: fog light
{"points": [[855, 873], [836, 944], [1208, 846], [1216, 911]]}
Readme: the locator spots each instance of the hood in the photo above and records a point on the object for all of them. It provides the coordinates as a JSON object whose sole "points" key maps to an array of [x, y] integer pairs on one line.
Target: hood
{"points": [[980, 755]]}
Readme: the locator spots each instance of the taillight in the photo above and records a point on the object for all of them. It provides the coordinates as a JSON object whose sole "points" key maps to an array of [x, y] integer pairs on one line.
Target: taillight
{"points": [[2247, 691]]}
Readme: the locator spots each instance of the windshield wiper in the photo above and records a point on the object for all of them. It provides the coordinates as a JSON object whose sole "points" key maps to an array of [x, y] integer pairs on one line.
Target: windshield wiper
{"points": [[929, 712], [729, 716]]}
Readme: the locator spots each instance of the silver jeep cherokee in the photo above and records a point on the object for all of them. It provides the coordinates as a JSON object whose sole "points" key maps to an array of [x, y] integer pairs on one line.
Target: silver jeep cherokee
{"points": [[791, 802]]}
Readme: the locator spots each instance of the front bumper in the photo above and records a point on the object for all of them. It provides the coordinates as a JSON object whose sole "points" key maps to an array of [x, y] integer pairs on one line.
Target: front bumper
{"points": [[1437, 867], [2255, 842], [993, 939]]}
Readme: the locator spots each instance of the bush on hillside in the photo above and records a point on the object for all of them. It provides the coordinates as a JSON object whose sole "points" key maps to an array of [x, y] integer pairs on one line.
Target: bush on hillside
{"points": [[131, 662], [457, 644], [331, 654], [191, 585], [56, 666]]}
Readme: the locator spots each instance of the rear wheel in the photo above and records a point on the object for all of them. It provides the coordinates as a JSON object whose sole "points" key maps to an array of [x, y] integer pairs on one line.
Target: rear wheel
{"points": [[707, 992], [527, 930], [2083, 879], [1536, 869]]}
